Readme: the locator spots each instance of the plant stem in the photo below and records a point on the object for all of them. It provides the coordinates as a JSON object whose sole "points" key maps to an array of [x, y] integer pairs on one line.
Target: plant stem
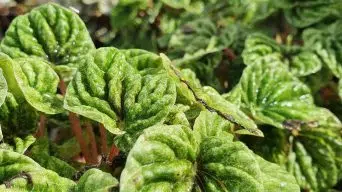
{"points": [[114, 151], [42, 123], [104, 148], [76, 127], [93, 146]]}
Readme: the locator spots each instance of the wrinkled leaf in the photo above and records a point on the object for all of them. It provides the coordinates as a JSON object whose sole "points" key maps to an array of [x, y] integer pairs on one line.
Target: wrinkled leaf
{"points": [[21, 173], [327, 42], [312, 155], [171, 158], [162, 153], [120, 94], [230, 111], [40, 152], [95, 180], [260, 48], [49, 31], [272, 95], [305, 13], [34, 80], [199, 98], [315, 159]]}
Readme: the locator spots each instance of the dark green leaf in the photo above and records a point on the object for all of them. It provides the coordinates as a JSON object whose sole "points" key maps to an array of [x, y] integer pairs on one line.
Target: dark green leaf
{"points": [[272, 95], [260, 48], [124, 95], [51, 32], [171, 158], [40, 152]]}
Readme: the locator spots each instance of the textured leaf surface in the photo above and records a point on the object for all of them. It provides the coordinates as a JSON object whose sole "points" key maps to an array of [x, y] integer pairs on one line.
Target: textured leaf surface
{"points": [[21, 145], [35, 80], [210, 124], [316, 158], [276, 178], [124, 96], [173, 158], [194, 36], [40, 152], [162, 159], [21, 173], [17, 118], [192, 94], [198, 45], [95, 180], [51, 32], [260, 48], [274, 96], [312, 156], [230, 111], [227, 165], [327, 42], [305, 13], [3, 88]]}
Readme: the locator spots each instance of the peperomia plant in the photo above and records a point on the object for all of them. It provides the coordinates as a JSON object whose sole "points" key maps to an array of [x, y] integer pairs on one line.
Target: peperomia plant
{"points": [[300, 61], [219, 105], [176, 158]]}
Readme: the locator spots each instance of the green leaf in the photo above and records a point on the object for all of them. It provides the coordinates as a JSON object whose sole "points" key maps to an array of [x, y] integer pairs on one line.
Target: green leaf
{"points": [[69, 149], [229, 111], [124, 14], [305, 13], [17, 119], [197, 45], [276, 178], [195, 35], [3, 88], [124, 95], [199, 98], [161, 159], [95, 180], [34, 80], [312, 155], [177, 115], [260, 48], [40, 152], [21, 145], [210, 124], [327, 43], [272, 95], [315, 159], [51, 32], [21, 173], [170, 158]]}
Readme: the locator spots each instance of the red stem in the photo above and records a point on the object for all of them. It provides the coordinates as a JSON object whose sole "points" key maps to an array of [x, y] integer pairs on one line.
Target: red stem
{"points": [[42, 123], [114, 151], [104, 148], [76, 126], [93, 146]]}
